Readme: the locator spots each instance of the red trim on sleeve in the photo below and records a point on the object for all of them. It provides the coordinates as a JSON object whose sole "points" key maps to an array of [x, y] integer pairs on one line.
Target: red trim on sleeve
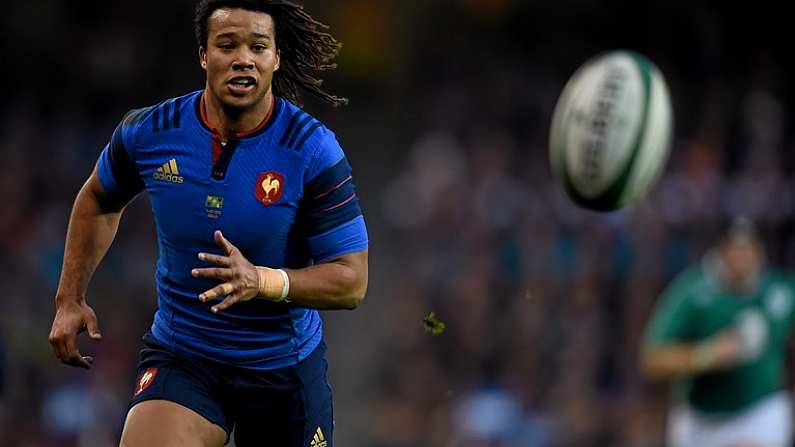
{"points": [[331, 208], [349, 178]]}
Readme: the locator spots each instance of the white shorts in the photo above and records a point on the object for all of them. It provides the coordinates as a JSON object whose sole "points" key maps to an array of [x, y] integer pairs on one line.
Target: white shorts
{"points": [[768, 423]]}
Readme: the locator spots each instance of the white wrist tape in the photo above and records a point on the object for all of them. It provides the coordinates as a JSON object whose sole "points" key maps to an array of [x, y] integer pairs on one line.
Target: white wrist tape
{"points": [[274, 284], [286, 286]]}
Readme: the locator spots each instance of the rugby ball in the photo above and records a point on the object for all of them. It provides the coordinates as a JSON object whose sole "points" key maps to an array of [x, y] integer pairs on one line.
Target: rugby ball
{"points": [[611, 131]]}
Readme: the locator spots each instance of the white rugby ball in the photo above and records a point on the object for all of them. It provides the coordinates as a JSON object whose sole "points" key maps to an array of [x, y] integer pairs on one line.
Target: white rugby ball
{"points": [[611, 131]]}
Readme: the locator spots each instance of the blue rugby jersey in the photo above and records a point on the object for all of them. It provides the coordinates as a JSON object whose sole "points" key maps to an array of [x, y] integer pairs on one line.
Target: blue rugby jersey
{"points": [[283, 194]]}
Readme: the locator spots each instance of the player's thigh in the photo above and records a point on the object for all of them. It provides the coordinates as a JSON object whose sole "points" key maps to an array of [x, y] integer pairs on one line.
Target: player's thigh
{"points": [[163, 423]]}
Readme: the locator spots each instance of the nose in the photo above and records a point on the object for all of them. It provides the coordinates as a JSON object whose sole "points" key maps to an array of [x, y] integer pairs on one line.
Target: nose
{"points": [[243, 64], [243, 61]]}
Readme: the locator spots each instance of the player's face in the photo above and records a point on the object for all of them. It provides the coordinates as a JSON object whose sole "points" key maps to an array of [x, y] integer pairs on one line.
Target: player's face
{"points": [[742, 260], [240, 57]]}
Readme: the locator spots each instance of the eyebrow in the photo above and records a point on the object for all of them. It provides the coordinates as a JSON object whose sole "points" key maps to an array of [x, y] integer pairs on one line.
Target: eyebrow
{"points": [[233, 34]]}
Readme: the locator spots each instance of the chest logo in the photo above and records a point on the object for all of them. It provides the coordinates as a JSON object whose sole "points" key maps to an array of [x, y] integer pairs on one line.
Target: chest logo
{"points": [[214, 205], [269, 188], [169, 172]]}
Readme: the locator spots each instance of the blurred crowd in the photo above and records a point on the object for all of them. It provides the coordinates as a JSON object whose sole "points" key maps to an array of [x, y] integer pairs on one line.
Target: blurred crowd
{"points": [[544, 304]]}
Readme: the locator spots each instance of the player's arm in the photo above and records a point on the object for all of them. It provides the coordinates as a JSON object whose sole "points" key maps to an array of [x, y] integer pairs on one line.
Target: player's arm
{"points": [[339, 283], [93, 223], [675, 360], [668, 352], [92, 227]]}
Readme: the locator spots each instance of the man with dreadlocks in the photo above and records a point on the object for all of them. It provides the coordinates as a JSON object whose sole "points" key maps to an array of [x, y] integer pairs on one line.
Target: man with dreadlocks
{"points": [[258, 226]]}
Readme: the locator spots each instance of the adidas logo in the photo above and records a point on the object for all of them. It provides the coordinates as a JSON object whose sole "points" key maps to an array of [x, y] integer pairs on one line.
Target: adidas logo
{"points": [[169, 172], [319, 440]]}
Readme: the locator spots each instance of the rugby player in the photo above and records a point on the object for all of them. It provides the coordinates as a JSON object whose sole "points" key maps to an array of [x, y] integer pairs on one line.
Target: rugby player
{"points": [[258, 226]]}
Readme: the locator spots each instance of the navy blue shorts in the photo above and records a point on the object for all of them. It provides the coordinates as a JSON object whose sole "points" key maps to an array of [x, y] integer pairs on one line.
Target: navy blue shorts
{"points": [[287, 407]]}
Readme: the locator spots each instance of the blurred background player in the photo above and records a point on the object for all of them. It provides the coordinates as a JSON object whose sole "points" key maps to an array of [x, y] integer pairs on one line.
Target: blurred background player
{"points": [[237, 159], [721, 334]]}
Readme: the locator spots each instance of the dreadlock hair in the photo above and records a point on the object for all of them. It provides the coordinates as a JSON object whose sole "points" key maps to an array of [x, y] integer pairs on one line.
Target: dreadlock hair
{"points": [[305, 46]]}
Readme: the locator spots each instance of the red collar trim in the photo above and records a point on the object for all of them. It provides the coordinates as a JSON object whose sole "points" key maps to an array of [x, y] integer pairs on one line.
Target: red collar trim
{"points": [[263, 123]]}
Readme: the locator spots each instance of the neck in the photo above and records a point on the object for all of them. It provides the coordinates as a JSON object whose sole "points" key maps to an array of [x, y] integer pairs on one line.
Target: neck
{"points": [[229, 122]]}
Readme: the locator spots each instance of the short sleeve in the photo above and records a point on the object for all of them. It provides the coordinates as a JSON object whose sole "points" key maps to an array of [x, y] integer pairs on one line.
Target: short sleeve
{"points": [[334, 222], [672, 317], [116, 167]]}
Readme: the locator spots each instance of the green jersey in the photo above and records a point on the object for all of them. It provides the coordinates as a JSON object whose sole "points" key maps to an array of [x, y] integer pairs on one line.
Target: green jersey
{"points": [[696, 307]]}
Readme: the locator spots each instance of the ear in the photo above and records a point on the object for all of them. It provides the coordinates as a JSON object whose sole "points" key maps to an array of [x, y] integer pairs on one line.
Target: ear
{"points": [[278, 60], [203, 58]]}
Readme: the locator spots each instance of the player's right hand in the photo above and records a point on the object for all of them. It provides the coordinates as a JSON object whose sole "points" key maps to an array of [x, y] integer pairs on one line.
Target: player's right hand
{"points": [[72, 318], [727, 349]]}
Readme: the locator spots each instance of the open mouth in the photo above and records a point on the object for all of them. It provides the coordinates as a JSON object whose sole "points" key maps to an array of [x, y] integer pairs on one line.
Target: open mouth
{"points": [[242, 84]]}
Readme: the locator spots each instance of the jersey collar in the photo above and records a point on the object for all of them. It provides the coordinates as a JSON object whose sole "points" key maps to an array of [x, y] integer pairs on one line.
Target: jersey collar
{"points": [[264, 125]]}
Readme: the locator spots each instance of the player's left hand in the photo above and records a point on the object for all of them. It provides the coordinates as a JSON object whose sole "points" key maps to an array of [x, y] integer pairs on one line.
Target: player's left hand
{"points": [[240, 280]]}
